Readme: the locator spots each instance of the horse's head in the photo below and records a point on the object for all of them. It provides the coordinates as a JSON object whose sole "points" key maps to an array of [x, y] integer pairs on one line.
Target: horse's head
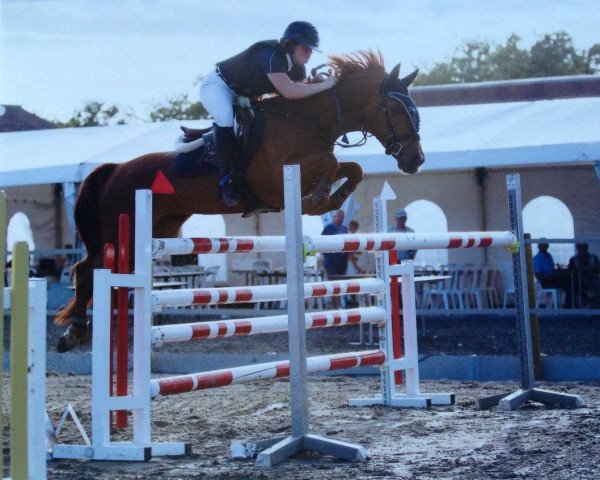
{"points": [[396, 123]]}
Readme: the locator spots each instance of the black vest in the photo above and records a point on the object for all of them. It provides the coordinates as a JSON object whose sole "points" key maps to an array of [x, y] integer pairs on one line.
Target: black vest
{"points": [[242, 74]]}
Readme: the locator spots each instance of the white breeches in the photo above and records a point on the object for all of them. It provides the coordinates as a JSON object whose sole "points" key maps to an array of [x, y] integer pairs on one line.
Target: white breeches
{"points": [[217, 98]]}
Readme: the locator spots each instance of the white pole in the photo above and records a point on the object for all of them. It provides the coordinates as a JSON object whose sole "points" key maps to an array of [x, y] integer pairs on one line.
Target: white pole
{"points": [[295, 290]]}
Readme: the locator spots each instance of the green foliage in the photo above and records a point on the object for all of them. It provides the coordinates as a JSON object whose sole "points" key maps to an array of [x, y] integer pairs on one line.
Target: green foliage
{"points": [[478, 61], [179, 108], [95, 114]]}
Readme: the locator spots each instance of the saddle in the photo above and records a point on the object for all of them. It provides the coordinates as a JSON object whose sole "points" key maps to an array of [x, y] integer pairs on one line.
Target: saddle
{"points": [[196, 151], [196, 147]]}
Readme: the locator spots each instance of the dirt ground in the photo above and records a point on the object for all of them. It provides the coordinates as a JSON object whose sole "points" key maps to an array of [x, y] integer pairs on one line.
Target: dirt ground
{"points": [[449, 442]]}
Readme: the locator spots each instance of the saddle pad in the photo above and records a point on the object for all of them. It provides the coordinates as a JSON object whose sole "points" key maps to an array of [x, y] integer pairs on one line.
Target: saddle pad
{"points": [[192, 164]]}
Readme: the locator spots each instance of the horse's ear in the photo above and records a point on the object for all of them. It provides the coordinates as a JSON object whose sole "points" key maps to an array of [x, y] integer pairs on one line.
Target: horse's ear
{"points": [[394, 73], [406, 81], [390, 80]]}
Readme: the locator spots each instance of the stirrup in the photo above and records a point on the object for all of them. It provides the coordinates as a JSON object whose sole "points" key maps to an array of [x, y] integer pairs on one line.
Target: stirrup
{"points": [[228, 192]]}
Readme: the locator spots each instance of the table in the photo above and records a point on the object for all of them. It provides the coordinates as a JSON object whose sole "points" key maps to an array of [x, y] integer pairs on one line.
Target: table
{"points": [[190, 278], [167, 285]]}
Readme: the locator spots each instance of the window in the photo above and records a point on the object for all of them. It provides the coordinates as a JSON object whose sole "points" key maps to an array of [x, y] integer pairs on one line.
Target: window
{"points": [[208, 226], [548, 217], [425, 216]]}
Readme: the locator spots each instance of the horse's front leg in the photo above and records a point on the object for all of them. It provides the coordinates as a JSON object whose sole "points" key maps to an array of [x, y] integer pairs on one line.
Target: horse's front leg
{"points": [[318, 174], [353, 173]]}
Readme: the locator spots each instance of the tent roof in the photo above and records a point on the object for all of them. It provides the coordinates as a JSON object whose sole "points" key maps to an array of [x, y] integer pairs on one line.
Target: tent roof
{"points": [[565, 131]]}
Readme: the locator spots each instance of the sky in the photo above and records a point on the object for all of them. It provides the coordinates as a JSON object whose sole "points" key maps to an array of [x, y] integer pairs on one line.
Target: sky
{"points": [[56, 55]]}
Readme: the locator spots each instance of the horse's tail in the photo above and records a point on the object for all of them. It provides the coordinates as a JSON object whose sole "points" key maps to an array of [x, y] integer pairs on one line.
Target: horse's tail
{"points": [[87, 216], [87, 219]]}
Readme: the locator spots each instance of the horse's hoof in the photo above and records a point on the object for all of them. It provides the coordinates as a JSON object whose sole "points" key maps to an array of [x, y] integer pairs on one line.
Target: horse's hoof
{"points": [[76, 334]]}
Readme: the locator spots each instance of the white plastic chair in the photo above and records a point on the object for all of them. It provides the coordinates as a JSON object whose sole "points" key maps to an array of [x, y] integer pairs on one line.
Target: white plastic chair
{"points": [[488, 283], [446, 290], [548, 297], [471, 287]]}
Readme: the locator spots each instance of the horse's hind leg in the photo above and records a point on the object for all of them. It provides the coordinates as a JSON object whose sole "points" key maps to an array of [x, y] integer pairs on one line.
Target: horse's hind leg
{"points": [[78, 332]]}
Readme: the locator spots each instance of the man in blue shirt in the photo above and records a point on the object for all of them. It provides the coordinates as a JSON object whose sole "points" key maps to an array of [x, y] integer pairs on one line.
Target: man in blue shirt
{"points": [[546, 273], [336, 263], [543, 263]]}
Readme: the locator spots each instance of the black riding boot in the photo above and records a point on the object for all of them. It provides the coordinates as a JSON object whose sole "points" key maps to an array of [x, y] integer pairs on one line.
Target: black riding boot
{"points": [[227, 155]]}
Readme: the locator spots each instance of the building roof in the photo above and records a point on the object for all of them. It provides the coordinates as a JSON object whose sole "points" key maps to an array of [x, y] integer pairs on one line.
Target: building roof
{"points": [[518, 90], [565, 131], [14, 119]]}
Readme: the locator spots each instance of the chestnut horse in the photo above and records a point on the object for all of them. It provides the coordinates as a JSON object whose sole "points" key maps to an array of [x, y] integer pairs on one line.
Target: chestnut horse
{"points": [[303, 131]]}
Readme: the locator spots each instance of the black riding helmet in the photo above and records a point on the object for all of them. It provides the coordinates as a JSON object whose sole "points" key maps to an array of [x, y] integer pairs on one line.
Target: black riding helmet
{"points": [[304, 33]]}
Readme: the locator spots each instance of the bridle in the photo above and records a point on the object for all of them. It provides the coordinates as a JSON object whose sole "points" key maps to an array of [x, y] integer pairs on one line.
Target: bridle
{"points": [[393, 145], [394, 142]]}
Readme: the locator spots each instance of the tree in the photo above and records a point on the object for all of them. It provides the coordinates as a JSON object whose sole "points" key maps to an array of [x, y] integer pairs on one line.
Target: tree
{"points": [[179, 108], [478, 61], [94, 114]]}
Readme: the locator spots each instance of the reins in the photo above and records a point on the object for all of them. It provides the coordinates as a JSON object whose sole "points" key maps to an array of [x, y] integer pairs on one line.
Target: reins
{"points": [[393, 143]]}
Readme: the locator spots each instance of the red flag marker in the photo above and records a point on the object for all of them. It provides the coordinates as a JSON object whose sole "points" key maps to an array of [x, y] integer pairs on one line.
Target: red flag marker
{"points": [[161, 184]]}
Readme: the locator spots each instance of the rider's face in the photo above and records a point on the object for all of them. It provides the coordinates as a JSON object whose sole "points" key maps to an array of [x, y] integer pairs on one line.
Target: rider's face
{"points": [[301, 54]]}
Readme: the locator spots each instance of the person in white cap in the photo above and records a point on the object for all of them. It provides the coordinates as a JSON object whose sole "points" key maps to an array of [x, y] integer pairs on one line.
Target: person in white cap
{"points": [[401, 227]]}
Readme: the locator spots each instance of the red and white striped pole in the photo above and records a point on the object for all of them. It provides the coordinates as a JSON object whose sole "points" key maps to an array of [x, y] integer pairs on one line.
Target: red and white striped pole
{"points": [[248, 373], [255, 326], [358, 242], [262, 293]]}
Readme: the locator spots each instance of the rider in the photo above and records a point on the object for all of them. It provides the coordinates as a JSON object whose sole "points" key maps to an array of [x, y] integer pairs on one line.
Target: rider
{"points": [[270, 66]]}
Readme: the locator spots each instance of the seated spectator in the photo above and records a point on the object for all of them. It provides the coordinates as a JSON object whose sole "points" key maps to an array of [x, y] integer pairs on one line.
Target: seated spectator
{"points": [[545, 271], [587, 265]]}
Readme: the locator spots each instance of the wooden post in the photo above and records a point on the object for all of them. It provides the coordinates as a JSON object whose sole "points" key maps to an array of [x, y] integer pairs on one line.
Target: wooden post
{"points": [[533, 318], [19, 318]]}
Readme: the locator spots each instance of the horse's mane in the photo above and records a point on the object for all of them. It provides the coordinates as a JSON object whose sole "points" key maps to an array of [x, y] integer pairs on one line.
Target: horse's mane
{"points": [[361, 64], [361, 61]]}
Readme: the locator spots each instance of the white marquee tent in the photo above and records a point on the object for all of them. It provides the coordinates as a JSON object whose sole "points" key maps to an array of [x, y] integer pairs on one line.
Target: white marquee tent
{"points": [[453, 137], [559, 139]]}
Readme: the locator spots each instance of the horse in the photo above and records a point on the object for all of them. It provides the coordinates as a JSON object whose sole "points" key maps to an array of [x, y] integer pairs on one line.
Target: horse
{"points": [[303, 131]]}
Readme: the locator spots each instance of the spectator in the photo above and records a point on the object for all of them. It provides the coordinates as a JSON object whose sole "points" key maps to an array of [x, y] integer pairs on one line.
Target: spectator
{"points": [[587, 265], [545, 271], [335, 264], [353, 257], [401, 227], [66, 260]]}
